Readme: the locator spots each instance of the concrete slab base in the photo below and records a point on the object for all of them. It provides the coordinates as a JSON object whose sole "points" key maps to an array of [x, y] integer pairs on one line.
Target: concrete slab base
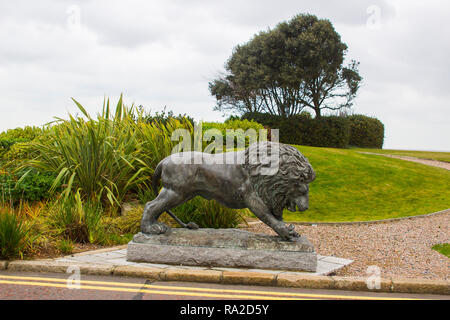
{"points": [[223, 248]]}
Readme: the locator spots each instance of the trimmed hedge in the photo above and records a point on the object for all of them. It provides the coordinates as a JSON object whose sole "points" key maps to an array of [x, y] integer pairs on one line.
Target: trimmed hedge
{"points": [[327, 131], [366, 132]]}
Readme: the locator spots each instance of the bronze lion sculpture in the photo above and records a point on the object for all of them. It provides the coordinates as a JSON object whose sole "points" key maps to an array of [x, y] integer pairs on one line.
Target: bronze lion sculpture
{"points": [[237, 185]]}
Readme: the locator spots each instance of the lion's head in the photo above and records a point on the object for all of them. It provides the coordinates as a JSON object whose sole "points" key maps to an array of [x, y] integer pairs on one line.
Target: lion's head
{"points": [[286, 187]]}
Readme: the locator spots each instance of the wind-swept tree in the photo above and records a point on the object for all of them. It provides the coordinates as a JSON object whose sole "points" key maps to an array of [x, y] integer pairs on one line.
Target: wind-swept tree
{"points": [[297, 65]]}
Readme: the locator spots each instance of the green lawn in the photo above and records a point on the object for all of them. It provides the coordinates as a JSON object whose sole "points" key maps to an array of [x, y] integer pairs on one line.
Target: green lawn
{"points": [[351, 186], [443, 248], [440, 156]]}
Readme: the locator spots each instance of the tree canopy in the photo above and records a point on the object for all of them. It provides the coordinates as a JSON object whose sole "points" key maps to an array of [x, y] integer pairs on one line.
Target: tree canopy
{"points": [[299, 64]]}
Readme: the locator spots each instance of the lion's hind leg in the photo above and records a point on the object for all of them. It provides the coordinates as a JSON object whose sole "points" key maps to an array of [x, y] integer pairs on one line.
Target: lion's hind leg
{"points": [[166, 200]]}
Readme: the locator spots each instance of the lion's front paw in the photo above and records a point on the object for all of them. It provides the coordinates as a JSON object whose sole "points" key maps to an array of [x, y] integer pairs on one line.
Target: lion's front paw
{"points": [[292, 231], [155, 228], [288, 233], [192, 225]]}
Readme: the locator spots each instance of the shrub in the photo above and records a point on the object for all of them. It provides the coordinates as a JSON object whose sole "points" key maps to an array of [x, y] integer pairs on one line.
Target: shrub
{"points": [[6, 144], [96, 157], [265, 119], [165, 117], [242, 124], [233, 124], [145, 194], [22, 134], [366, 132], [15, 236], [109, 239], [155, 141], [330, 131], [233, 117], [65, 246], [104, 158], [76, 220], [109, 231], [209, 214], [34, 186], [12, 137], [206, 213], [130, 221]]}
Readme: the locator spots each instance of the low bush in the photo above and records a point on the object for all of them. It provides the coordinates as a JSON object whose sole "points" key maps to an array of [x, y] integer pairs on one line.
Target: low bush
{"points": [[130, 221], [104, 158], [209, 214], [15, 235], [205, 213], [327, 131], [34, 186], [145, 193], [234, 124], [165, 117], [242, 124], [25, 134], [110, 239], [11, 137], [76, 220], [366, 132], [6, 144], [330, 131], [65, 246]]}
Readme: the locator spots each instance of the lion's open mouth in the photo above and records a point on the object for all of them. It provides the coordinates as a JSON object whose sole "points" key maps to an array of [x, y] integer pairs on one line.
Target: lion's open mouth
{"points": [[292, 207]]}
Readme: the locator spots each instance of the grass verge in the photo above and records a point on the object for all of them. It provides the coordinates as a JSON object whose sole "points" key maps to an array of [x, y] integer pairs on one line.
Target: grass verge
{"points": [[443, 248], [351, 186]]}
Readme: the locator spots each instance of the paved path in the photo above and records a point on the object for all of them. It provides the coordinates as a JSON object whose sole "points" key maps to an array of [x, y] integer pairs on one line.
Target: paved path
{"points": [[433, 163], [117, 257], [59, 286]]}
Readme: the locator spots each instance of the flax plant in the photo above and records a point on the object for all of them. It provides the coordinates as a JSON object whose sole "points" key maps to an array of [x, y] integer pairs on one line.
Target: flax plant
{"points": [[105, 158]]}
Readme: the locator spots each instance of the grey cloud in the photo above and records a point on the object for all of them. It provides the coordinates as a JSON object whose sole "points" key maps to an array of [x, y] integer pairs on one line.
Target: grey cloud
{"points": [[268, 13], [165, 52]]}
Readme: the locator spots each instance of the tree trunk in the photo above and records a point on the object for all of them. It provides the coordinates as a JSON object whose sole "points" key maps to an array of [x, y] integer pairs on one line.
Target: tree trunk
{"points": [[317, 111]]}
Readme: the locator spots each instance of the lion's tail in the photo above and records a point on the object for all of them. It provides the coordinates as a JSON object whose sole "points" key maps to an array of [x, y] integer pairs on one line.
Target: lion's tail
{"points": [[156, 177]]}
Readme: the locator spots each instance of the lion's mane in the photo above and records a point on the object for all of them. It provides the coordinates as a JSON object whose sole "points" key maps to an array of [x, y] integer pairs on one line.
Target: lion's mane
{"points": [[293, 168]]}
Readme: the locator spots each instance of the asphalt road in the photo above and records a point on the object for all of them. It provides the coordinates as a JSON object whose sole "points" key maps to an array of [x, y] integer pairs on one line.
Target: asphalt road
{"points": [[58, 286]]}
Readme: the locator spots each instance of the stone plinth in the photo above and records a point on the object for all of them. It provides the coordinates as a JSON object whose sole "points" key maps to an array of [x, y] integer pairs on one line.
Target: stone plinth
{"points": [[223, 248]]}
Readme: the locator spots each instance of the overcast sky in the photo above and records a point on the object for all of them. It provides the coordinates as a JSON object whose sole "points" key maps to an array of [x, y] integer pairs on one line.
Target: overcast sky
{"points": [[164, 53]]}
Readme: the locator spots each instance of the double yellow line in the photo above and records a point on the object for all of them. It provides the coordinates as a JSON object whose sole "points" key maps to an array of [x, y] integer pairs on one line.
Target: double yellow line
{"points": [[176, 290]]}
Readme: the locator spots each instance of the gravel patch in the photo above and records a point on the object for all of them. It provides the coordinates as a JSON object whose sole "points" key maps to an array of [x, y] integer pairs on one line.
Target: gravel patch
{"points": [[400, 248], [433, 163]]}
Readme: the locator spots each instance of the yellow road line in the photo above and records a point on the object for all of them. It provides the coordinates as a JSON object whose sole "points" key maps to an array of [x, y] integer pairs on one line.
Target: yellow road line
{"points": [[173, 293], [257, 292]]}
